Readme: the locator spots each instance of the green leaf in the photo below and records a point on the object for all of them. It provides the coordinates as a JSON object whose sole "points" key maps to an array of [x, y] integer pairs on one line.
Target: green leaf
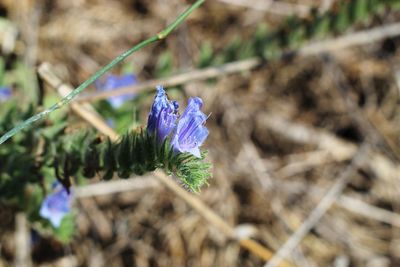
{"points": [[206, 55], [164, 64], [342, 20], [66, 230], [359, 9], [54, 130]]}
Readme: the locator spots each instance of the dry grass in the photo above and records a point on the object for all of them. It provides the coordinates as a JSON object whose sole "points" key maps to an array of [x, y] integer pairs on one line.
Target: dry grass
{"points": [[282, 136]]}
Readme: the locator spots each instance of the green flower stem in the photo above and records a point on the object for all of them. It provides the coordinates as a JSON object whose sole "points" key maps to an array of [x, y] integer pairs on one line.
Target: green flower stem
{"points": [[161, 35]]}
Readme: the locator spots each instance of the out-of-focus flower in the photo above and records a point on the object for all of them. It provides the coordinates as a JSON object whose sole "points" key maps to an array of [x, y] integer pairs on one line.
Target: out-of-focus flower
{"points": [[111, 82], [190, 132], [56, 205], [110, 122], [5, 93], [163, 115]]}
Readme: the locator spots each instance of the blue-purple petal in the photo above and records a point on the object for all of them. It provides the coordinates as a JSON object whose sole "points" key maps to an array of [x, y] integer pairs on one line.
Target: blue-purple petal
{"points": [[163, 116], [5, 93], [111, 82], [56, 205], [166, 123], [190, 132]]}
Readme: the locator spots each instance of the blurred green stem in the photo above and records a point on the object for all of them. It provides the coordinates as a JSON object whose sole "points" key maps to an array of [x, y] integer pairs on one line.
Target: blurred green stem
{"points": [[161, 35]]}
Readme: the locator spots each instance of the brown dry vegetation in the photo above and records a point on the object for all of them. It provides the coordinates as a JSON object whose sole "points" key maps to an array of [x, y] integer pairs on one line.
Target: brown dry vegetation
{"points": [[282, 135]]}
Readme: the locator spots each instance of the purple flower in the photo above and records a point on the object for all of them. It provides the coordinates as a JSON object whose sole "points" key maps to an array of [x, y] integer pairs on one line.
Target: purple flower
{"points": [[110, 122], [5, 93], [190, 132], [163, 115], [111, 82], [56, 205]]}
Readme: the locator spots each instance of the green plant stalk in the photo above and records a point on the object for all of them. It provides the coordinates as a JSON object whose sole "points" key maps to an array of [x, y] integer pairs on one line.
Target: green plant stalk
{"points": [[161, 35]]}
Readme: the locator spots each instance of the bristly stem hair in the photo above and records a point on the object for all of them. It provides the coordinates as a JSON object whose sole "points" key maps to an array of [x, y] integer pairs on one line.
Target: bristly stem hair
{"points": [[161, 35]]}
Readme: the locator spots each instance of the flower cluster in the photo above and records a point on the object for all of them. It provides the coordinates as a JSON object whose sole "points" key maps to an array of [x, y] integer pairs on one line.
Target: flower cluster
{"points": [[56, 205], [187, 133]]}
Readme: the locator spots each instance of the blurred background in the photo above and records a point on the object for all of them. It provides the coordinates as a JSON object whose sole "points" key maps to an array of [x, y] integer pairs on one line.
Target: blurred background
{"points": [[304, 123]]}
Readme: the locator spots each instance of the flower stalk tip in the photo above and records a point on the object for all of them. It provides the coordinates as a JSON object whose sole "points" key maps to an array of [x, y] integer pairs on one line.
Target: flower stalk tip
{"points": [[187, 133]]}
